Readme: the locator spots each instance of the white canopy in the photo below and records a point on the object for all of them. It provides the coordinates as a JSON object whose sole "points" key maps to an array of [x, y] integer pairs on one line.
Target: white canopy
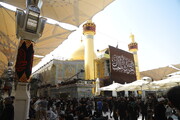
{"points": [[174, 79], [167, 83], [111, 87], [74, 12], [136, 85], [144, 85]]}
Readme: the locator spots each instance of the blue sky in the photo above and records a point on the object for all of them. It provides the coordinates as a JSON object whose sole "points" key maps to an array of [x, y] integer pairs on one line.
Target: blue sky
{"points": [[155, 24]]}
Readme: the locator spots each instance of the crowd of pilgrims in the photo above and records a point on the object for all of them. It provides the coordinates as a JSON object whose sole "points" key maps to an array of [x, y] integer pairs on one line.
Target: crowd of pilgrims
{"points": [[121, 108], [101, 108]]}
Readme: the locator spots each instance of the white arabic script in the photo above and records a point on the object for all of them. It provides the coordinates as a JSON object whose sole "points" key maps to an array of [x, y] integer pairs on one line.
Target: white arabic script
{"points": [[122, 64]]}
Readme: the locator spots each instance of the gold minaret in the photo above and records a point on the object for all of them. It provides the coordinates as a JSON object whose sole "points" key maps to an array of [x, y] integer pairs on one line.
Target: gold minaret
{"points": [[133, 47], [89, 30]]}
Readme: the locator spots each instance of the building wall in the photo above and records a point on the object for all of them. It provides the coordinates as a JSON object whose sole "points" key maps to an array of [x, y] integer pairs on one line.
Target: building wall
{"points": [[101, 68], [66, 69], [57, 71]]}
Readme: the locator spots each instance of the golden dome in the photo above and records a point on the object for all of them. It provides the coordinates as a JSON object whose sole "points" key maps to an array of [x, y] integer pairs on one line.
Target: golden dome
{"points": [[78, 54]]}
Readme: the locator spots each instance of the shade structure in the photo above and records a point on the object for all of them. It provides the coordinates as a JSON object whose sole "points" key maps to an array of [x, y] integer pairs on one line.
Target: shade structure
{"points": [[74, 12], [53, 36], [8, 41], [167, 83], [174, 79], [160, 83], [159, 73], [136, 85], [111, 87]]}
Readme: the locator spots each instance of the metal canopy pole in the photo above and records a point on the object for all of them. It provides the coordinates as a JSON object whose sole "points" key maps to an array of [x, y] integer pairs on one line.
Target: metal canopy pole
{"points": [[29, 28]]}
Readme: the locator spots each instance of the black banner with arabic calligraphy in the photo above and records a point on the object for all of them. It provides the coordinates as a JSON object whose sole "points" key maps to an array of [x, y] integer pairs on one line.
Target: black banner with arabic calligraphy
{"points": [[24, 61], [122, 66]]}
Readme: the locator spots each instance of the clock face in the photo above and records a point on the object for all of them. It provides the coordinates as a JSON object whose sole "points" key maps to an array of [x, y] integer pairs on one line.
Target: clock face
{"points": [[90, 28], [133, 46]]}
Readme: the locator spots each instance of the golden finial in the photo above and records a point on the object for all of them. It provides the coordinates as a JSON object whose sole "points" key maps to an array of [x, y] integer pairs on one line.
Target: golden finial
{"points": [[132, 37]]}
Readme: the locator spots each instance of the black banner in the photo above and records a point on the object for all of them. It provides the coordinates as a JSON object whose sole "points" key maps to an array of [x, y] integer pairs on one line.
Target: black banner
{"points": [[122, 66], [24, 61]]}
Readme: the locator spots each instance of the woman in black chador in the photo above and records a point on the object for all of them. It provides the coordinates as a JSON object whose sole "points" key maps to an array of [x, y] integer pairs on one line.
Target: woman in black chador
{"points": [[160, 110], [8, 112], [173, 96], [144, 109]]}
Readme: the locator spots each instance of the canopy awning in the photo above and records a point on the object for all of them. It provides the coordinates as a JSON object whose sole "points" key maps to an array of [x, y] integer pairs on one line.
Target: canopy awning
{"points": [[53, 36], [159, 73], [111, 87], [73, 12]]}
